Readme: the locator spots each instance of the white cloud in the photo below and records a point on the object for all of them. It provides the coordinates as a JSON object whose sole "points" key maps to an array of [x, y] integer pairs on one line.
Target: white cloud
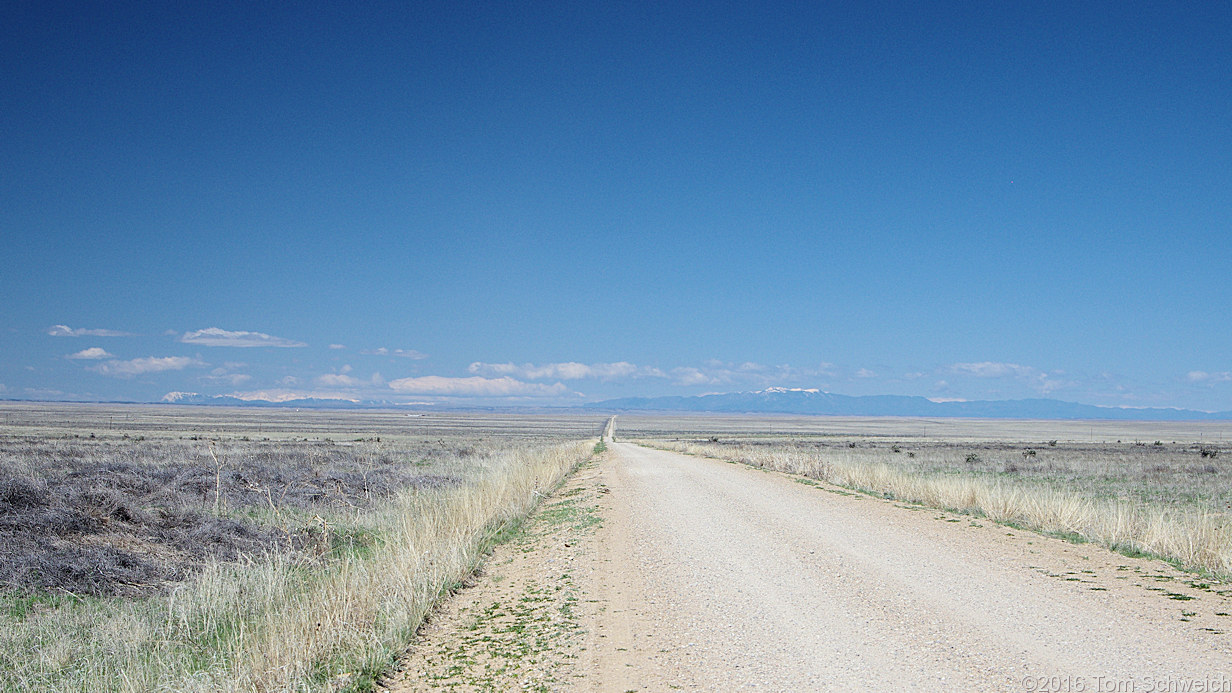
{"points": [[337, 346], [66, 331], [688, 375], [570, 370], [232, 379], [474, 387], [150, 364], [1204, 377], [865, 373], [1047, 385], [991, 369], [337, 380], [748, 373], [711, 372], [404, 353], [281, 395], [44, 392], [226, 374], [343, 379], [1041, 381], [215, 337], [93, 353]]}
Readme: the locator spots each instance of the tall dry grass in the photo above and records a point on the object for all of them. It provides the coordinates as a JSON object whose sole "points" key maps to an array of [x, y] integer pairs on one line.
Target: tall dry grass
{"points": [[1193, 538], [287, 624]]}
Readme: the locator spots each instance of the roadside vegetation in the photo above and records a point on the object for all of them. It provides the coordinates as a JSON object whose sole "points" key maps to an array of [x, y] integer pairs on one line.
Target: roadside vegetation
{"points": [[1165, 499], [231, 562], [521, 627]]}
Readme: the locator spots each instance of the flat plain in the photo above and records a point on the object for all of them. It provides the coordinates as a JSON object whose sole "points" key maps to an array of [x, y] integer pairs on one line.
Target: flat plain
{"points": [[181, 548], [750, 563], [189, 548]]}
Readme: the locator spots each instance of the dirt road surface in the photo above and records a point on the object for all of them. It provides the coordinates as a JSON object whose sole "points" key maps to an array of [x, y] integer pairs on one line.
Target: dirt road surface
{"points": [[655, 571], [716, 576]]}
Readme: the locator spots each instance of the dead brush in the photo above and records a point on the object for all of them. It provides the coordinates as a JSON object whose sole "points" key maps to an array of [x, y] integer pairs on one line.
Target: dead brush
{"points": [[217, 482], [101, 516], [251, 594]]}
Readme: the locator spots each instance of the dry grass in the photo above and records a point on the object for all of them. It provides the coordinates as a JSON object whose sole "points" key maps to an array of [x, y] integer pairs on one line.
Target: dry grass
{"points": [[907, 429], [1132, 498], [335, 611]]}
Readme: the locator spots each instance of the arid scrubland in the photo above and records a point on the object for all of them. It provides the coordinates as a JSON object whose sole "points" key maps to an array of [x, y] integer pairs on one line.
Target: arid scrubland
{"points": [[1162, 489], [170, 548]]}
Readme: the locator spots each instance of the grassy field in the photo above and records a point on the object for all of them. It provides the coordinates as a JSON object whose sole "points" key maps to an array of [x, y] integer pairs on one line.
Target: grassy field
{"points": [[1158, 488], [187, 548], [168, 548]]}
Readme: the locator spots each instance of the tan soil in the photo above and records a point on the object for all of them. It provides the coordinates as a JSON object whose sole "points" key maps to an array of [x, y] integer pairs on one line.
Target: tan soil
{"points": [[708, 575]]}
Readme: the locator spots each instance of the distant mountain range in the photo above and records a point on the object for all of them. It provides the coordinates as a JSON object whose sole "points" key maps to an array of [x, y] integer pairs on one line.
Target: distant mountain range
{"points": [[779, 400], [312, 403]]}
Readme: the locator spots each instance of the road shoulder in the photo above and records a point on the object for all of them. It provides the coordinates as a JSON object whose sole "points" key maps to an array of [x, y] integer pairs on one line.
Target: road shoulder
{"points": [[517, 623]]}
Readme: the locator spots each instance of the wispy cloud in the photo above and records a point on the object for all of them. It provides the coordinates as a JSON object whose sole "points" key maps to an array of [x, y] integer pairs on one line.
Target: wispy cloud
{"points": [[475, 386], [226, 374], [343, 379], [284, 395], [711, 372], [750, 373], [150, 364], [570, 370], [337, 346], [688, 375], [992, 369], [93, 353], [1043, 382], [403, 353], [66, 331], [232, 379], [1204, 377], [47, 393], [215, 337]]}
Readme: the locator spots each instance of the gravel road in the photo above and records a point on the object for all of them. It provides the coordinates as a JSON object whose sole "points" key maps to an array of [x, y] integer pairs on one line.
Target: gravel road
{"points": [[715, 576]]}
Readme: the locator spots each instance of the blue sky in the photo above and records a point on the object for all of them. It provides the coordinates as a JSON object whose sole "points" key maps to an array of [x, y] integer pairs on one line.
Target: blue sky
{"points": [[499, 202]]}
